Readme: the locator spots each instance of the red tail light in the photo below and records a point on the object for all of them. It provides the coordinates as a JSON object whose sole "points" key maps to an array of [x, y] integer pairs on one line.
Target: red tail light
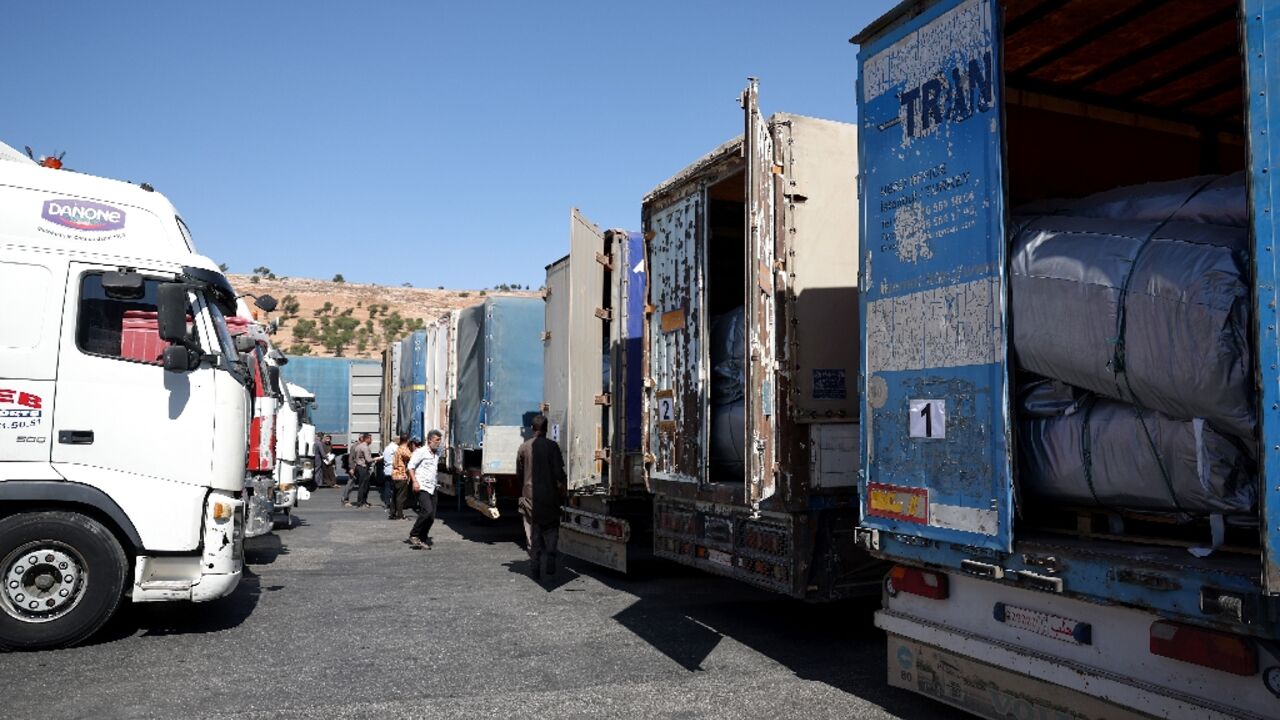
{"points": [[1208, 648], [917, 582]]}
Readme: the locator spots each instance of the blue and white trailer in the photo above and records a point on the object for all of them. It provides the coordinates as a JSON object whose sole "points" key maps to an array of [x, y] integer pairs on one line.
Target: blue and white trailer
{"points": [[968, 108]]}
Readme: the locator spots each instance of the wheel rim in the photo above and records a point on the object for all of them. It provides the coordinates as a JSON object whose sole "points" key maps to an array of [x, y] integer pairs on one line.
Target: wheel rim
{"points": [[43, 580]]}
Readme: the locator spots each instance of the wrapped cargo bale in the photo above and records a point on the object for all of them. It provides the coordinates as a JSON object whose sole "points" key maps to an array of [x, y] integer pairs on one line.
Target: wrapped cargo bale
{"points": [[726, 351], [1087, 450], [727, 436], [1209, 199], [1152, 313]]}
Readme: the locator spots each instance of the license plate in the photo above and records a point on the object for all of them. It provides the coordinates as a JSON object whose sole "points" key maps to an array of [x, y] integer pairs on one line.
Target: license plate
{"points": [[1060, 628]]}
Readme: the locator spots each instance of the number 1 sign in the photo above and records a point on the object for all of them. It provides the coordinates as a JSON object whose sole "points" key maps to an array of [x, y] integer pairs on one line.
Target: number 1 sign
{"points": [[928, 419]]}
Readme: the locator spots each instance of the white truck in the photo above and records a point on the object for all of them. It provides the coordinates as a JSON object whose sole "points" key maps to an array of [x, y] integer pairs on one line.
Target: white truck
{"points": [[123, 409]]}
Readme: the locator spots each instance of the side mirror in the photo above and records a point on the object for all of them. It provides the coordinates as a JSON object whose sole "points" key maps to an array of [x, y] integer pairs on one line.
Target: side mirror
{"points": [[171, 312], [265, 303], [245, 344], [123, 285], [180, 359]]}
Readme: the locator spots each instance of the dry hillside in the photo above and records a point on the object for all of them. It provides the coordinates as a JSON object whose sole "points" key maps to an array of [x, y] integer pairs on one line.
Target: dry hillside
{"points": [[324, 318]]}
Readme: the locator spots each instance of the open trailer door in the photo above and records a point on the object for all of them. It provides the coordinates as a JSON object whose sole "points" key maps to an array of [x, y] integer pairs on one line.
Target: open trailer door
{"points": [[760, 315], [936, 434]]}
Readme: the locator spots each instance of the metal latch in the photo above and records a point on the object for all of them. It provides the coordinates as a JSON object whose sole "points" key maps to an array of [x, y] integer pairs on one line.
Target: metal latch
{"points": [[1040, 582], [989, 570]]}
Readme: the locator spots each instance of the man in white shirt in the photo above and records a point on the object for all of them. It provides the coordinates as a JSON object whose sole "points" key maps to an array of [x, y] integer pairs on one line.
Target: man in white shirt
{"points": [[422, 478], [388, 461]]}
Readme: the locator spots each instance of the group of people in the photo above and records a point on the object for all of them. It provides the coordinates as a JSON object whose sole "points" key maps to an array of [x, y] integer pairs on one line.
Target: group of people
{"points": [[408, 472]]}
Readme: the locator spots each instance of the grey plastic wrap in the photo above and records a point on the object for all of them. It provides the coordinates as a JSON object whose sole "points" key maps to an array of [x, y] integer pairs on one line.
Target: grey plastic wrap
{"points": [[727, 435], [1183, 338], [1210, 199], [727, 349], [1108, 453]]}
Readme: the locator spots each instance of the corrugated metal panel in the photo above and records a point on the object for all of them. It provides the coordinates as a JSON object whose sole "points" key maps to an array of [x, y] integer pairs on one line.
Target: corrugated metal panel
{"points": [[555, 348], [513, 361], [676, 404], [820, 220], [589, 321], [330, 380], [365, 405]]}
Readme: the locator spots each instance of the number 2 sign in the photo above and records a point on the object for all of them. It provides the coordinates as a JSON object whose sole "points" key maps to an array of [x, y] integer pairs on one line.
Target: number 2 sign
{"points": [[928, 419]]}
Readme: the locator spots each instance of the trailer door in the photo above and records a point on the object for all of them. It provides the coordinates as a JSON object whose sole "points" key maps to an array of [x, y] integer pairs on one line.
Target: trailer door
{"points": [[760, 363], [590, 313], [935, 445], [676, 399]]}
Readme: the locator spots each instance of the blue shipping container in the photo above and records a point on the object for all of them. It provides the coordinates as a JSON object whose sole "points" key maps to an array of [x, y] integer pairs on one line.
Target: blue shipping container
{"points": [[499, 360]]}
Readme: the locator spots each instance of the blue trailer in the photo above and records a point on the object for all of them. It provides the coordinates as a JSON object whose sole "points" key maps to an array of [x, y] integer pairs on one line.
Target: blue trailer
{"points": [[348, 396], [498, 357], [412, 385], [1000, 602]]}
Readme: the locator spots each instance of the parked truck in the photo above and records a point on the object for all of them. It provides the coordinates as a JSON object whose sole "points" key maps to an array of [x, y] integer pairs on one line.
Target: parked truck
{"points": [[123, 408], [750, 406], [417, 372], [348, 396], [592, 382], [498, 355], [1150, 591]]}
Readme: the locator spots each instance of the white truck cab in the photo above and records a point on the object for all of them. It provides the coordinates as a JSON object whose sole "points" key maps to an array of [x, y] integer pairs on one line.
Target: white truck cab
{"points": [[123, 409], [304, 402]]}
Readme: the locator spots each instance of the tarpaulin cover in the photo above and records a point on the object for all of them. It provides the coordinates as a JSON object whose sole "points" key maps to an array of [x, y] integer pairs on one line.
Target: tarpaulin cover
{"points": [[413, 379], [1153, 313], [1081, 449], [470, 363], [330, 380], [513, 358]]}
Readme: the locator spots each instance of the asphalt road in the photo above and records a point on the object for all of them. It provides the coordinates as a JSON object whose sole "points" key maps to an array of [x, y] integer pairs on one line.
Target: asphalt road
{"points": [[336, 618]]}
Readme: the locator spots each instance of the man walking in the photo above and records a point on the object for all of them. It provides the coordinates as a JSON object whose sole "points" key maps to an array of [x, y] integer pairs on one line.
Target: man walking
{"points": [[361, 462], [541, 466], [423, 466], [400, 476]]}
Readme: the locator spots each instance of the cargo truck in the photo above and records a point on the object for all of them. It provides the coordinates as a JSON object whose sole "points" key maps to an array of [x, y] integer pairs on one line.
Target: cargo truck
{"points": [[592, 382], [750, 405], [498, 355], [419, 377], [123, 408], [974, 115], [348, 396]]}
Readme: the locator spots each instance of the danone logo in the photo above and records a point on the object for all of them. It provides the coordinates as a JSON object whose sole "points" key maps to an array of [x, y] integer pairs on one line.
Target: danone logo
{"points": [[84, 215]]}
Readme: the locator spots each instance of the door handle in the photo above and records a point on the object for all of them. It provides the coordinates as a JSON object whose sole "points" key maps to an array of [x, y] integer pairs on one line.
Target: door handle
{"points": [[75, 437]]}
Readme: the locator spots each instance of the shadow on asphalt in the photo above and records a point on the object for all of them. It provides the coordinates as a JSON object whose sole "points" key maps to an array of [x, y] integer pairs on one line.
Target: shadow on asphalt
{"points": [[185, 618], [685, 614]]}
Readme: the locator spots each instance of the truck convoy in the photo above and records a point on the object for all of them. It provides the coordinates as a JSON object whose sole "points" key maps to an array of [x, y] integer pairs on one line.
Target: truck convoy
{"points": [[122, 339], [1070, 441]]}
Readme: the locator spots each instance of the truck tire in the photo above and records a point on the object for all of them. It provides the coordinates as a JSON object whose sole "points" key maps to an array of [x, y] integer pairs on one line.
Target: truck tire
{"points": [[62, 577]]}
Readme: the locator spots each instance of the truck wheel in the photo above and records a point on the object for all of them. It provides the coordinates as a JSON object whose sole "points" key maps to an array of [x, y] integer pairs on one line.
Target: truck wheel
{"points": [[63, 576]]}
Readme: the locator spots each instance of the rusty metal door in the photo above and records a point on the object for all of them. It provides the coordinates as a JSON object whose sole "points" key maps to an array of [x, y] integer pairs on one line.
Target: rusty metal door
{"points": [[676, 396], [761, 362]]}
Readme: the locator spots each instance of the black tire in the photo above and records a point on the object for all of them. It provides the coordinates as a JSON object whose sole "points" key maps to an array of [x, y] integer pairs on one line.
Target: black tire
{"points": [[100, 563]]}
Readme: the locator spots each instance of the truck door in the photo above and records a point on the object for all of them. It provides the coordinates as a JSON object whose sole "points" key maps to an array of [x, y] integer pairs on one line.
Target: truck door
{"points": [[935, 435], [759, 308], [676, 353], [590, 315], [118, 412]]}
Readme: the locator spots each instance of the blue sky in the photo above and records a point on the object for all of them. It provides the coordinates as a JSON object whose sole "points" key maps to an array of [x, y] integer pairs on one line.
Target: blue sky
{"points": [[423, 142]]}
